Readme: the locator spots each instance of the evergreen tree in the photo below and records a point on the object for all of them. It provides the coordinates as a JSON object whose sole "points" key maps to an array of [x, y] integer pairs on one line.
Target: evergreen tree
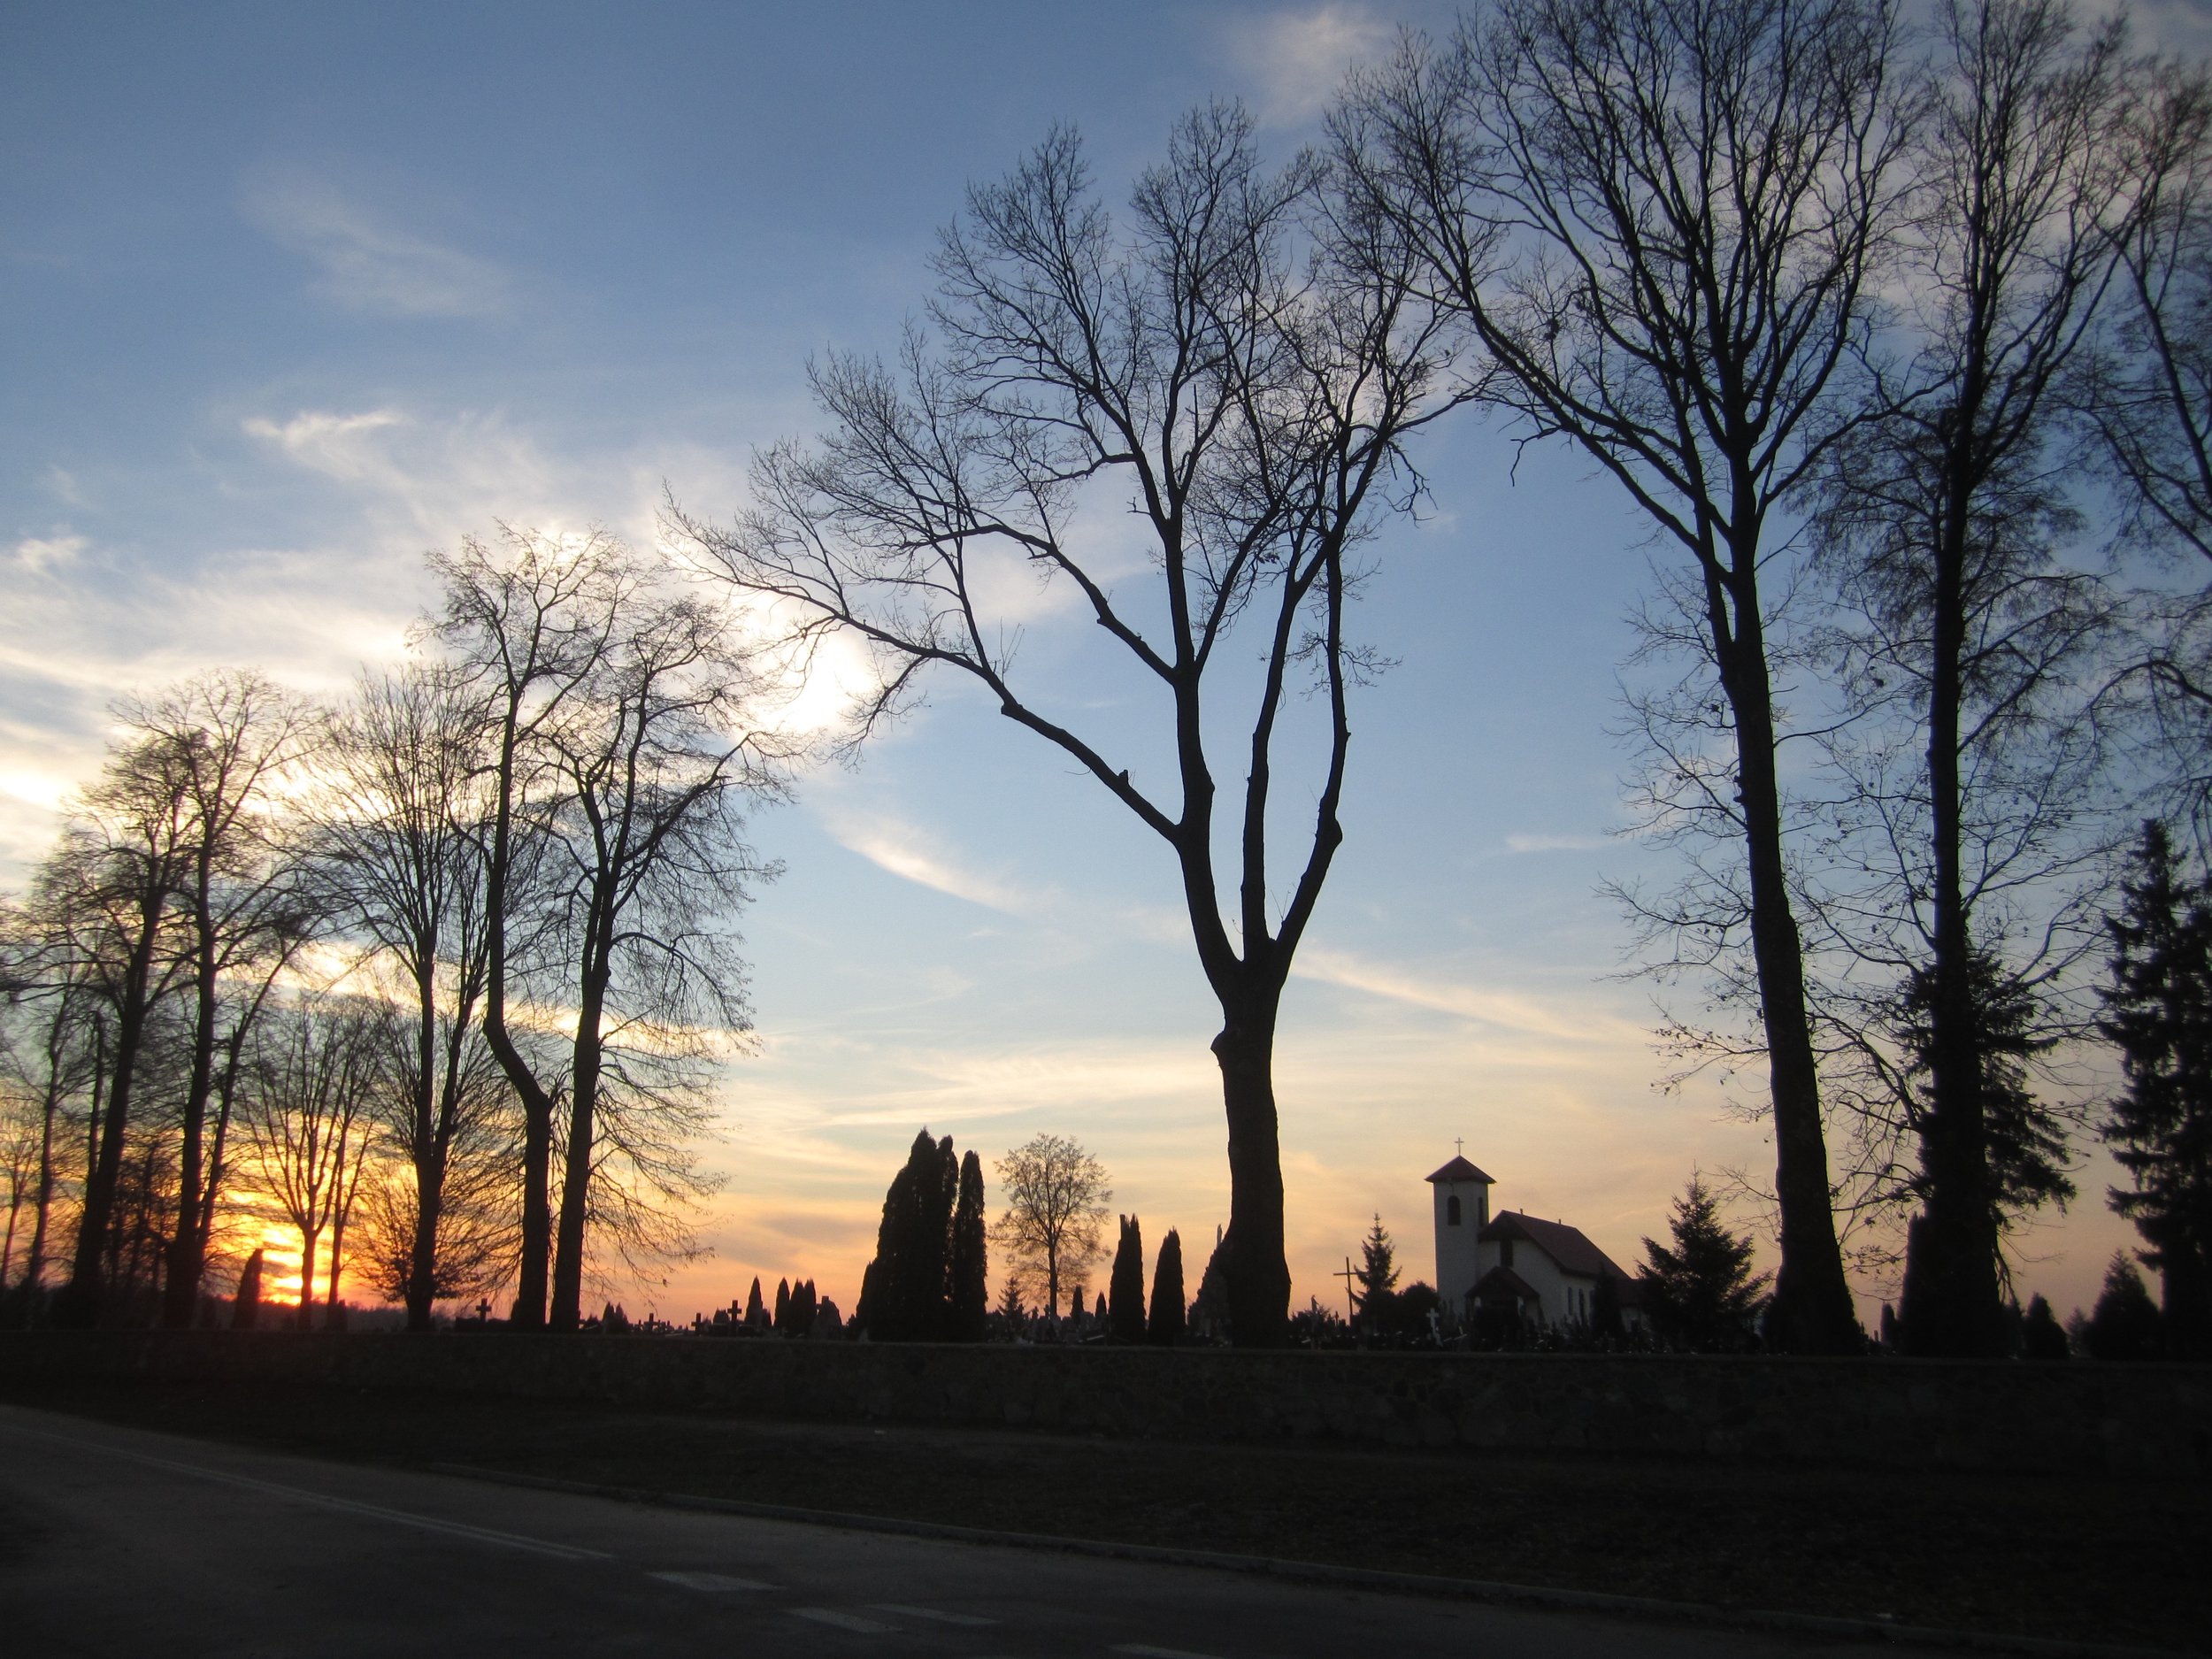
{"points": [[904, 1294], [803, 1308], [755, 1312], [1210, 1311], [1098, 1314], [1377, 1279], [245, 1303], [1126, 1307], [971, 1260], [2158, 1012], [2041, 1336], [2124, 1324], [1702, 1291], [1166, 1326], [783, 1307]]}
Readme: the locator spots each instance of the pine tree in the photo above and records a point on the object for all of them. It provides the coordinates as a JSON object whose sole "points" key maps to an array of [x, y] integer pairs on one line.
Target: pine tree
{"points": [[2041, 1336], [1166, 1326], [971, 1260], [1702, 1291], [2124, 1324], [2158, 1012], [1377, 1276], [1125, 1289]]}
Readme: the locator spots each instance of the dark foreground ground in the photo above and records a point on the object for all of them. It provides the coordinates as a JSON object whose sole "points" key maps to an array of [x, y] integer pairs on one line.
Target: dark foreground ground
{"points": [[2091, 1559]]}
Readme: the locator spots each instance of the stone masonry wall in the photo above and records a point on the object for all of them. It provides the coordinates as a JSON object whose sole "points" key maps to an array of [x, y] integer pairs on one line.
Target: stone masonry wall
{"points": [[2140, 1420]]}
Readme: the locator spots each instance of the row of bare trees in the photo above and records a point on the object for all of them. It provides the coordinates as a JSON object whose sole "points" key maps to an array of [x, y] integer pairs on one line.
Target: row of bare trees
{"points": [[1872, 324], [450, 964]]}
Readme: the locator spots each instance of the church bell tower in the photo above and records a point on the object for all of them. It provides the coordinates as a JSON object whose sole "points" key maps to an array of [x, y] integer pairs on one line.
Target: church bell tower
{"points": [[1463, 1211]]}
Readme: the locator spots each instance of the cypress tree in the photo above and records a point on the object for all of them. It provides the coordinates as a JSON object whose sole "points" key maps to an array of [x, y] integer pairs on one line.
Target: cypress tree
{"points": [[1166, 1326], [783, 1307], [970, 1261], [245, 1303], [1098, 1314], [755, 1314], [1125, 1289], [803, 1308], [1209, 1312]]}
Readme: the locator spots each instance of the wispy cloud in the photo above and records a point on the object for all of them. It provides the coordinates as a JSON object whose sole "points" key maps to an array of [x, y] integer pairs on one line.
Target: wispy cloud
{"points": [[913, 855], [365, 261], [1507, 1011], [1554, 843], [1294, 61]]}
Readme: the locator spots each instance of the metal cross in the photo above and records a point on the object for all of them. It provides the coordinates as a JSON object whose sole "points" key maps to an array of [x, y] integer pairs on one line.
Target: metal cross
{"points": [[1459, 1144]]}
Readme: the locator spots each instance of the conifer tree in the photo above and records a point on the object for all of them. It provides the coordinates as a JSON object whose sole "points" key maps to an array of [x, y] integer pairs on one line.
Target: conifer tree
{"points": [[2158, 1012], [1126, 1307], [971, 1259], [2124, 1324], [755, 1311], [803, 1304], [904, 1294], [245, 1303], [783, 1307], [1702, 1291], [1377, 1276], [1166, 1326], [2041, 1336], [1098, 1314]]}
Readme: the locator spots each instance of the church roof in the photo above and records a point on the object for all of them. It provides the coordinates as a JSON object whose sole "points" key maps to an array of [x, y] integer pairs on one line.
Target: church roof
{"points": [[1566, 1245], [1503, 1281], [1460, 1169]]}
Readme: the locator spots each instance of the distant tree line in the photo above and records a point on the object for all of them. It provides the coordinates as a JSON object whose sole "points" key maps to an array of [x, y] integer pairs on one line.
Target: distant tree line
{"points": [[434, 978]]}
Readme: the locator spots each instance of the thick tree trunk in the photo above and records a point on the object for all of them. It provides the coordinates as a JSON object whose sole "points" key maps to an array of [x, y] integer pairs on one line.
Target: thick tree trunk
{"points": [[1951, 1302], [568, 1247], [1812, 1311], [188, 1245], [303, 1316], [1258, 1275], [426, 1148]]}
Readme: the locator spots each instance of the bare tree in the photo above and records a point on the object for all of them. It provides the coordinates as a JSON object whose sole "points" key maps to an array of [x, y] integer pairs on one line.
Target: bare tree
{"points": [[1054, 1213], [310, 1093], [400, 845], [2149, 391], [1243, 367], [631, 780], [51, 1050], [231, 736], [105, 894], [529, 628], [1664, 219], [1948, 516]]}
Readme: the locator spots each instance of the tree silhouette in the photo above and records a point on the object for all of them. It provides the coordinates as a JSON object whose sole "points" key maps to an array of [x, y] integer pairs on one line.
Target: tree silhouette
{"points": [[1377, 1279], [970, 1257], [1701, 1292], [1124, 1306], [2158, 1013], [1166, 1326]]}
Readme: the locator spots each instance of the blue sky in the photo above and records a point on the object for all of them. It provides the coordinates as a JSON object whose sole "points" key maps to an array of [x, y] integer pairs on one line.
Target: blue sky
{"points": [[289, 294]]}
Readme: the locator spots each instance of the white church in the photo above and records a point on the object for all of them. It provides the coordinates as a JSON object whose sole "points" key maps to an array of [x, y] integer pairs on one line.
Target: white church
{"points": [[1537, 1272]]}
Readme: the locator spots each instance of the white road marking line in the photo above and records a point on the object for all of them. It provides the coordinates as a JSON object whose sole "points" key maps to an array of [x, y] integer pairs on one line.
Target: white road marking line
{"points": [[710, 1581], [346, 1506], [1145, 1650], [928, 1612], [845, 1621]]}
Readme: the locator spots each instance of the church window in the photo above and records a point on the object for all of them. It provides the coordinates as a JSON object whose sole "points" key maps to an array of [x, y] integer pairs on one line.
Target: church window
{"points": [[1451, 1210]]}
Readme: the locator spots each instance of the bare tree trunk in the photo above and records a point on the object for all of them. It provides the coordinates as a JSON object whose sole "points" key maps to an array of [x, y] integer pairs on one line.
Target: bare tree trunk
{"points": [[568, 1254], [1258, 1273], [81, 1303]]}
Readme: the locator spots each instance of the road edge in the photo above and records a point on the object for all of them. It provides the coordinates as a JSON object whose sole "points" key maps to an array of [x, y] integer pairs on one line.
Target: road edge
{"points": [[1347, 1577]]}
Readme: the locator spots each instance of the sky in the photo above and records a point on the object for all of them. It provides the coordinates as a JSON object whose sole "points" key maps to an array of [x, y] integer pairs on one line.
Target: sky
{"points": [[291, 296]]}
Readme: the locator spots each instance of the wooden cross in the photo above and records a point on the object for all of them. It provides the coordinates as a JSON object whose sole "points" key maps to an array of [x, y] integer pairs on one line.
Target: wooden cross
{"points": [[1348, 1276]]}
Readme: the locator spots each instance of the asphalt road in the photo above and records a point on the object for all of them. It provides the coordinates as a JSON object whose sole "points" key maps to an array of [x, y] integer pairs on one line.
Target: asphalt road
{"points": [[118, 1541]]}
